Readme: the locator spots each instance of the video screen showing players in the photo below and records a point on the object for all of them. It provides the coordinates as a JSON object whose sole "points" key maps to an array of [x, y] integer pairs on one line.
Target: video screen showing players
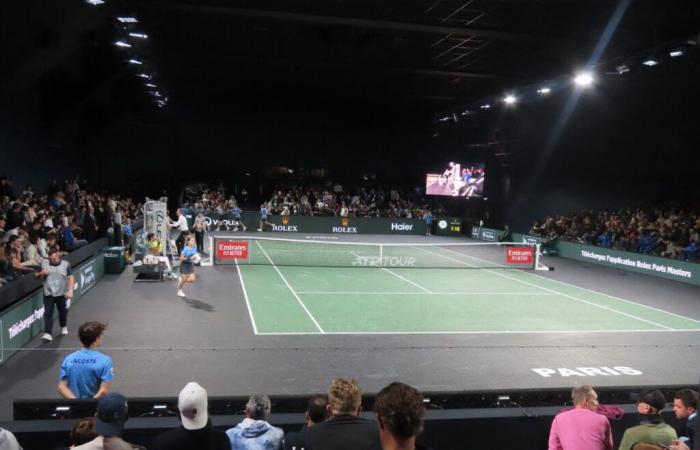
{"points": [[457, 180]]}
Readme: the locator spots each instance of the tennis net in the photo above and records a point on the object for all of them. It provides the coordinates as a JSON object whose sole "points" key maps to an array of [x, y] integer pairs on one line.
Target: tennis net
{"points": [[290, 252]]}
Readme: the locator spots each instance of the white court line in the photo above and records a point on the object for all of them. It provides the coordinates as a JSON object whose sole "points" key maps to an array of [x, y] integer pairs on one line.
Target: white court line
{"points": [[245, 294], [398, 276], [552, 290], [421, 293], [290, 289], [591, 291], [302, 333]]}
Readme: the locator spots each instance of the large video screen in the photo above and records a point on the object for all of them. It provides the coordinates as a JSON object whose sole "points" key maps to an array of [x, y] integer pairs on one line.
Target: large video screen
{"points": [[457, 180]]}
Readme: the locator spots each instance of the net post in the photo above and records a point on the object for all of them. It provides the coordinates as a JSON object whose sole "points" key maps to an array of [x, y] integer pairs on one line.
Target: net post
{"points": [[249, 240], [381, 254]]}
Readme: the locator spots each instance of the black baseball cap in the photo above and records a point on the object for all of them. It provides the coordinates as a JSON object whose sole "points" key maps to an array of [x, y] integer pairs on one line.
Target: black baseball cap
{"points": [[112, 412], [652, 397]]}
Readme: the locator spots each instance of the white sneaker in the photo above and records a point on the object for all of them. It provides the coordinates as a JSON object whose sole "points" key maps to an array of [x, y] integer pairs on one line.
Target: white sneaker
{"points": [[180, 293], [68, 303], [64, 331], [46, 337], [259, 229]]}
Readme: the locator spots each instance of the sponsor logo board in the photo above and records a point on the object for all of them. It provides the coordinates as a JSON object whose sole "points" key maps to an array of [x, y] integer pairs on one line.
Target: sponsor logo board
{"points": [[520, 255], [231, 250]]}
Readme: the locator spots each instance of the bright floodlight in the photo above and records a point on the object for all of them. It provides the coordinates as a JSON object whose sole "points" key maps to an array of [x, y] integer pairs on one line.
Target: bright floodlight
{"points": [[144, 76], [154, 93], [486, 106], [122, 44], [544, 90], [676, 53], [95, 2], [650, 62], [584, 79], [151, 85], [139, 35], [509, 99], [622, 69], [135, 62], [127, 19]]}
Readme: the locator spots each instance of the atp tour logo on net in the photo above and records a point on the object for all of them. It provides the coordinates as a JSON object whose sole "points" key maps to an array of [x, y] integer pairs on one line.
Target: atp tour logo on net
{"points": [[231, 250], [344, 228], [285, 227]]}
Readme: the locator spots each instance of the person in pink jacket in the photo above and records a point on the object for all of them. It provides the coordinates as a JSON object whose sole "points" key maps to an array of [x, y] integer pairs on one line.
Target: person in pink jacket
{"points": [[581, 428]]}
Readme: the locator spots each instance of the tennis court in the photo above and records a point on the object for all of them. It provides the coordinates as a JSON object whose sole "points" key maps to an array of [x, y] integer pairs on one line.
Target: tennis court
{"points": [[317, 288]]}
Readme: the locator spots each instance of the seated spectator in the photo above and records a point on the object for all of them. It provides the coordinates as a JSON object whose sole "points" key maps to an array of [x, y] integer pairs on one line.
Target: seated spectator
{"points": [[345, 430], [254, 432], [581, 427], [87, 373], [196, 431], [316, 412], [8, 441], [400, 411], [685, 406], [83, 431], [652, 429], [112, 414], [69, 241]]}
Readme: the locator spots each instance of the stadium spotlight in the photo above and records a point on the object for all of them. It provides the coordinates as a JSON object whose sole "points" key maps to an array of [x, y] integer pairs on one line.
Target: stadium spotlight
{"points": [[95, 2], [127, 19], [510, 99], [144, 76], [466, 112], [583, 79], [139, 35], [651, 62], [151, 85], [622, 69], [135, 62], [486, 106], [544, 90], [676, 53], [122, 44]]}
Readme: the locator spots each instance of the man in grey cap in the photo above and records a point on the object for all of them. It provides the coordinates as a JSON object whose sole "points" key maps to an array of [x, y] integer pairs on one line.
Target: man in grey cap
{"points": [[652, 429], [112, 413]]}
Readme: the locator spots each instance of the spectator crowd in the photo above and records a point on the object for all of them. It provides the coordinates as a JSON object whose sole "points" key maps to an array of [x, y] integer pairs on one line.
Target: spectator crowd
{"points": [[66, 217], [331, 199], [668, 231]]}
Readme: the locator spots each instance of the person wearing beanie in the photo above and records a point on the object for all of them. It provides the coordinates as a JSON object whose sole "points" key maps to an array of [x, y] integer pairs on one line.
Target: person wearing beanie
{"points": [[196, 431], [254, 432], [652, 429]]}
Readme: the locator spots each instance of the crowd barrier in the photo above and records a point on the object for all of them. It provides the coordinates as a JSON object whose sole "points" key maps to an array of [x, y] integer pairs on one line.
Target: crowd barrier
{"points": [[672, 269]]}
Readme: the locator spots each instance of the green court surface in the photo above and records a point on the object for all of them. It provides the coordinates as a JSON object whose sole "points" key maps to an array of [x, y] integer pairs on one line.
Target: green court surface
{"points": [[285, 299]]}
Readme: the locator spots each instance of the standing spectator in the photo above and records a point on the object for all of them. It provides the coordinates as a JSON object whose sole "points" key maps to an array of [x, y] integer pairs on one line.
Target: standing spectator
{"points": [[345, 430], [199, 226], [196, 431], [254, 432], [400, 412], [316, 412], [181, 226], [58, 290], [685, 406], [652, 429], [112, 414], [581, 428], [87, 373]]}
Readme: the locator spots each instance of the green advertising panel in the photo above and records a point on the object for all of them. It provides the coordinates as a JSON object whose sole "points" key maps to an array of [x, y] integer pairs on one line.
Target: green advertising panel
{"points": [[319, 224], [23, 321], [671, 269]]}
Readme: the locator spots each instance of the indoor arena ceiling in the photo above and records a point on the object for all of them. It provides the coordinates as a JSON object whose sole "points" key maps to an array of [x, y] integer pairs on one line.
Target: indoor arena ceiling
{"points": [[392, 60]]}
